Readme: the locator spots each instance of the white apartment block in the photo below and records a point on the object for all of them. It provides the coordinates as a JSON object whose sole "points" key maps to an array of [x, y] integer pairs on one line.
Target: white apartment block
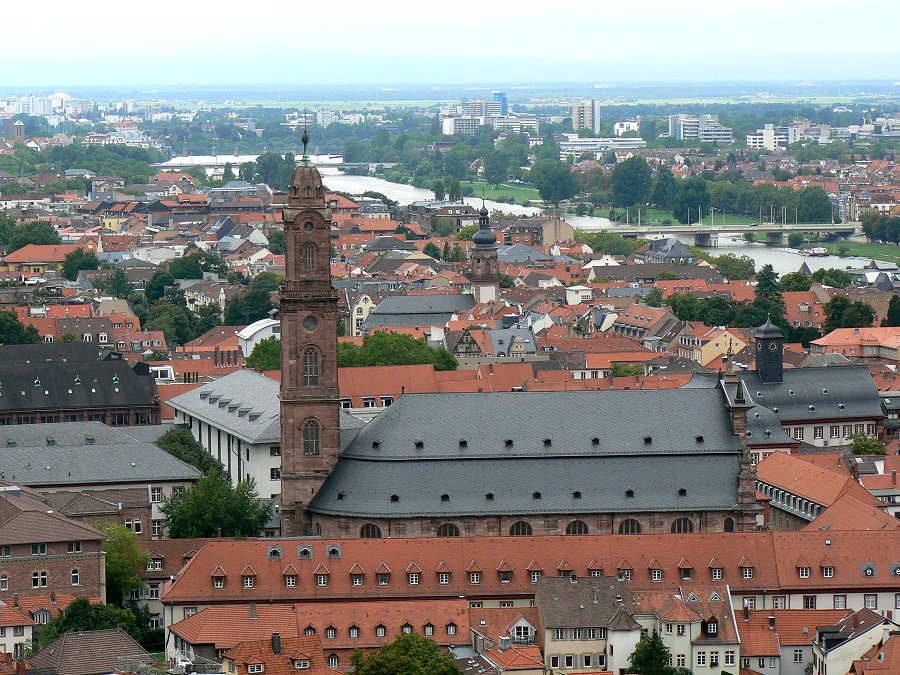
{"points": [[587, 115]]}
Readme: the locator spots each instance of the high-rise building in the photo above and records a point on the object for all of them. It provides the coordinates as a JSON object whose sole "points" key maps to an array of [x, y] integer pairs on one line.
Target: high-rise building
{"points": [[702, 127], [587, 115], [500, 96]]}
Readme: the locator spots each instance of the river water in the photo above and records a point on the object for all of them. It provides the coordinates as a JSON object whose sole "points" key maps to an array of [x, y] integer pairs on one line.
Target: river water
{"points": [[781, 261]]}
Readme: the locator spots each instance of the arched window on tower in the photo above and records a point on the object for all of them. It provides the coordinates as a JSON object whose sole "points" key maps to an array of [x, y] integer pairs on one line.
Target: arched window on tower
{"points": [[682, 525], [370, 531], [309, 254], [312, 436], [629, 526], [520, 529], [310, 367]]}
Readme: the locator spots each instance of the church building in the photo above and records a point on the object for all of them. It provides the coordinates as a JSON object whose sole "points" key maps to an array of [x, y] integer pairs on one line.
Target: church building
{"points": [[488, 464]]}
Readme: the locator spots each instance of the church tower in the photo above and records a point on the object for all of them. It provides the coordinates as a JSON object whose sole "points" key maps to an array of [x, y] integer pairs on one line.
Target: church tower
{"points": [[769, 353], [485, 275], [310, 407]]}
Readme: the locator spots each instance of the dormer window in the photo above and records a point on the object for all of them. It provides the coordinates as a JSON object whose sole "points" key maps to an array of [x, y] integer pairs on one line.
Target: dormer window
{"points": [[255, 668], [804, 572], [249, 581], [712, 627], [301, 664], [219, 582]]}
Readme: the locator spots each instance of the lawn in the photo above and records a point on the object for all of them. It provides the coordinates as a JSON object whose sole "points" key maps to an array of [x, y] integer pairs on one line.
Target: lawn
{"points": [[886, 252], [504, 191]]}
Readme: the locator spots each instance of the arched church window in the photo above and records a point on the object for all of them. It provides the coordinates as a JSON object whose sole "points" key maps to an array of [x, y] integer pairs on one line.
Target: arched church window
{"points": [[310, 377], [309, 252], [312, 437]]}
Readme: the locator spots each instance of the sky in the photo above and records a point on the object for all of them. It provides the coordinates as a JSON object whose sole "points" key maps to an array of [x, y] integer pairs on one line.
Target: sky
{"points": [[299, 43]]}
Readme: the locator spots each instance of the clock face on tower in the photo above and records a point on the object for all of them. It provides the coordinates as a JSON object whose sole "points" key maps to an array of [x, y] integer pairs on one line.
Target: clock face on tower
{"points": [[310, 323], [773, 347]]}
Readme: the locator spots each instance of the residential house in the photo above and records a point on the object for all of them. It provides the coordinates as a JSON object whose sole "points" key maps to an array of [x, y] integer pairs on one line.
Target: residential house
{"points": [[92, 652], [279, 655], [839, 645]]}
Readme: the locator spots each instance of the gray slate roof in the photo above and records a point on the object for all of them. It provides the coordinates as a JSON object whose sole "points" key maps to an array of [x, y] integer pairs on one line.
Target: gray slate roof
{"points": [[367, 476], [519, 253], [588, 601], [79, 453], [502, 339], [417, 310], [817, 393]]}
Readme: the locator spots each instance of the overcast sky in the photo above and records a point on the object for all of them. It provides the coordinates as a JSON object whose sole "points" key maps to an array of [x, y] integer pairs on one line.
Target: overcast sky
{"points": [[200, 42]]}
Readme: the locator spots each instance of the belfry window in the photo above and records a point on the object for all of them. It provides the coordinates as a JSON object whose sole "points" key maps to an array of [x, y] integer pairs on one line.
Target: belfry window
{"points": [[309, 256], [311, 437], [310, 367]]}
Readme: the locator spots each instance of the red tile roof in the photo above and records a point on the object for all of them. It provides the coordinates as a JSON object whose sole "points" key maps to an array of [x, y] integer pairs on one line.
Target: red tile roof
{"points": [[848, 512], [292, 649], [40, 253], [807, 480]]}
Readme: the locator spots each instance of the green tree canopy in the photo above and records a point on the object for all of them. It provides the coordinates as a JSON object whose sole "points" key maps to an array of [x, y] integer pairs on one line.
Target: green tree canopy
{"points": [[253, 303], [13, 332], [78, 260], [796, 281], [841, 312], [409, 654], [626, 370], [437, 187], [266, 355], [35, 232], [832, 277], [734, 267], [115, 284], [393, 349], [157, 285], [180, 443], [863, 445], [82, 615], [432, 251], [631, 182], [173, 320], [125, 562], [892, 318], [662, 192], [692, 200], [276, 242], [814, 206], [496, 167], [554, 180], [213, 505], [650, 657]]}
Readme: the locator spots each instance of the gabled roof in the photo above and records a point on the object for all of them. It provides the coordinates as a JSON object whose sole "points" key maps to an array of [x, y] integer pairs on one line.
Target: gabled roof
{"points": [[90, 652]]}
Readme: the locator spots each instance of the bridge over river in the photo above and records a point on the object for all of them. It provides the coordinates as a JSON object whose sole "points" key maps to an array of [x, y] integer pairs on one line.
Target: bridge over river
{"points": [[708, 235]]}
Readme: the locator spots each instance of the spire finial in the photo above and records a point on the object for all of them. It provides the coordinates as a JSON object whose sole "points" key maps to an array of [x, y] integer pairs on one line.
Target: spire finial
{"points": [[305, 137]]}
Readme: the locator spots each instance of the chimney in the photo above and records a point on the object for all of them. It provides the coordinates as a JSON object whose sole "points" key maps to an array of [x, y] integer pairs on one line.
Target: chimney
{"points": [[771, 622], [276, 643], [253, 611], [16, 600], [855, 619], [894, 478], [746, 612], [505, 643], [885, 635]]}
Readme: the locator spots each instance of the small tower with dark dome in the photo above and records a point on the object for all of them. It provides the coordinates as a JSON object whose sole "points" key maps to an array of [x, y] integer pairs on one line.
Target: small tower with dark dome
{"points": [[769, 353], [485, 275]]}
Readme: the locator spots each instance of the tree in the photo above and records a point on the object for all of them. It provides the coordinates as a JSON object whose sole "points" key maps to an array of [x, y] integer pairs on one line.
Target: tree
{"points": [[654, 298], [467, 231], [13, 332], [115, 284], [665, 185], [393, 349], [35, 232], [692, 200], [157, 285], [208, 316], [631, 182], [180, 443], [173, 320], [832, 277], [68, 337], [228, 173], [496, 167], [554, 180], [409, 654], [734, 267], [454, 190], [432, 251], [125, 562], [892, 318], [212, 506], [266, 355], [650, 657], [768, 293], [82, 615], [841, 312], [814, 206], [437, 187], [626, 370], [78, 260], [186, 267], [796, 239], [796, 281], [276, 242], [683, 305], [255, 302], [455, 165], [863, 445]]}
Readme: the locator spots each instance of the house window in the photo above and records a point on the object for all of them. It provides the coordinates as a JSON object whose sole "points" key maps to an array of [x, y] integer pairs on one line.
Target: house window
{"points": [[39, 549], [870, 600], [747, 572], [535, 575], [687, 573], [189, 612], [218, 582], [428, 629], [5, 551], [656, 575], [451, 629], [301, 664], [386, 401], [717, 573], [712, 627], [870, 429], [311, 437], [76, 578], [354, 632], [680, 660], [858, 428], [413, 579], [357, 579], [804, 572], [321, 580], [275, 451], [310, 375], [290, 580], [750, 603], [835, 431], [380, 631], [310, 630], [248, 582], [474, 577], [368, 401], [554, 662], [255, 668], [74, 547], [155, 495], [443, 578], [333, 661], [309, 256], [153, 592], [624, 575], [154, 565], [39, 580], [406, 629], [156, 528], [730, 657], [827, 572], [701, 658], [133, 524], [668, 629], [809, 602], [798, 433], [505, 577], [848, 430], [383, 579], [818, 432], [569, 661], [4, 582], [274, 473], [331, 632], [798, 656], [779, 601], [679, 629]]}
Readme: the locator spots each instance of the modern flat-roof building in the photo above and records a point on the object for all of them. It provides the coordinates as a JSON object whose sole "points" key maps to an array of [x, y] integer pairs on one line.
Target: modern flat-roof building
{"points": [[587, 115]]}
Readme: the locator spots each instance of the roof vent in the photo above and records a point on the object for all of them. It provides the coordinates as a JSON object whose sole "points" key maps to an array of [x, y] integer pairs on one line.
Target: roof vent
{"points": [[463, 443], [648, 440], [768, 432], [791, 392], [629, 493], [51, 440], [841, 406], [682, 492], [89, 440], [699, 439], [775, 410], [10, 443], [576, 495], [489, 496], [595, 441], [547, 442], [420, 445], [825, 391], [445, 498], [395, 498], [535, 495], [375, 444], [340, 496], [508, 443], [812, 408]]}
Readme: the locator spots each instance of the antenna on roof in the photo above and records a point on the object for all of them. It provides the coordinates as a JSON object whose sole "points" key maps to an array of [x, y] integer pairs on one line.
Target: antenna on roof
{"points": [[305, 137]]}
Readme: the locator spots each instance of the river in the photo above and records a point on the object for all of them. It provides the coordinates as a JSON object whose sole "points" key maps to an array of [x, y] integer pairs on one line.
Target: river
{"points": [[782, 262]]}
